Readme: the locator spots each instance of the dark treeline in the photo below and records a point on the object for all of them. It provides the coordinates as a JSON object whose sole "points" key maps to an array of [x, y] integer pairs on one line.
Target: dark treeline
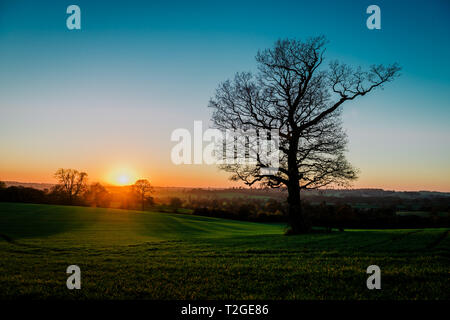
{"points": [[247, 209], [342, 216], [335, 212], [434, 203], [366, 198], [338, 215], [22, 194], [96, 196]]}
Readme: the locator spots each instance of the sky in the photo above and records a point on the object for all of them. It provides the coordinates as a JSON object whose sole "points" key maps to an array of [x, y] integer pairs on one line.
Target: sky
{"points": [[105, 99]]}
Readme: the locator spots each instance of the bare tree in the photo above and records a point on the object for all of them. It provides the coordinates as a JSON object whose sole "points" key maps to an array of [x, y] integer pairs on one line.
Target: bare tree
{"points": [[143, 189], [294, 94], [71, 183], [97, 195], [175, 203]]}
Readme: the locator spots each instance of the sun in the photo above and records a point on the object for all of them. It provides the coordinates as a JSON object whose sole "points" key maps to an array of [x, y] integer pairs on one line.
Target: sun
{"points": [[121, 176], [123, 180]]}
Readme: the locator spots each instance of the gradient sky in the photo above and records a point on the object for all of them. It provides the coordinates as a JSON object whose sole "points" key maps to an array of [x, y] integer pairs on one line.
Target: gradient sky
{"points": [[106, 98]]}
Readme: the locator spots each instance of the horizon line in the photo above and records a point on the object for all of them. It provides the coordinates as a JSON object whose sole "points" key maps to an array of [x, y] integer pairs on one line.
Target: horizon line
{"points": [[240, 187]]}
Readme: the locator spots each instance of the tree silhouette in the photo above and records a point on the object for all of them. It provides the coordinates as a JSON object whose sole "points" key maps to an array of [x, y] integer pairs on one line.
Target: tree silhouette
{"points": [[294, 94], [97, 196], [71, 183], [143, 189], [175, 203]]}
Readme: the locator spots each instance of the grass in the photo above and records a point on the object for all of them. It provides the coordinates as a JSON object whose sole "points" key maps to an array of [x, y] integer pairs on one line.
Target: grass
{"points": [[149, 255]]}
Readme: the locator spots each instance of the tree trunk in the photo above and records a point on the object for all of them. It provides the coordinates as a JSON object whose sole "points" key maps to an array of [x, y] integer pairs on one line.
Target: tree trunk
{"points": [[297, 220]]}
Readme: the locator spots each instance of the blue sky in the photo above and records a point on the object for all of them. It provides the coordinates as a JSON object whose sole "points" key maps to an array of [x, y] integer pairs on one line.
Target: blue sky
{"points": [[137, 70]]}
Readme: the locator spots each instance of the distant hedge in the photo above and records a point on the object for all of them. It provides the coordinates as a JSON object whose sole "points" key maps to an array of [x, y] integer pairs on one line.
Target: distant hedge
{"points": [[339, 217]]}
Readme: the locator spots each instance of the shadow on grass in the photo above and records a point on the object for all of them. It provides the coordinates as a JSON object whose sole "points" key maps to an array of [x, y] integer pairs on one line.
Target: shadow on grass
{"points": [[18, 220]]}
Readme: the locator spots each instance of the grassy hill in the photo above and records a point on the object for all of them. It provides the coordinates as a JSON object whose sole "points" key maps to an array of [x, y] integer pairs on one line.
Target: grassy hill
{"points": [[149, 255]]}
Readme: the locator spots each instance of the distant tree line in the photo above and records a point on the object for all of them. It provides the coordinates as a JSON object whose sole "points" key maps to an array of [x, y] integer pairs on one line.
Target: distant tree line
{"points": [[338, 215], [329, 216], [335, 212], [73, 189], [342, 216]]}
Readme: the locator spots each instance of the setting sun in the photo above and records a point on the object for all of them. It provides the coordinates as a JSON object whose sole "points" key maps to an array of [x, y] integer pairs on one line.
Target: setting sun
{"points": [[122, 177]]}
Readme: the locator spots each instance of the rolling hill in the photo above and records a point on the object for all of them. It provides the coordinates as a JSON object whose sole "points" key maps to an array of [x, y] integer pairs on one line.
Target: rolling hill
{"points": [[150, 255]]}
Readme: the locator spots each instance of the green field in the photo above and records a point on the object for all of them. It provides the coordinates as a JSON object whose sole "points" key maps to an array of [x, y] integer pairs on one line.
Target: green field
{"points": [[136, 255]]}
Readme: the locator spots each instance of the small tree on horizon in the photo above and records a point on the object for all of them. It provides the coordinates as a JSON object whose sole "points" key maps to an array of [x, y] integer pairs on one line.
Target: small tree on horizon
{"points": [[295, 95], [142, 188], [97, 195], [175, 203], [71, 183]]}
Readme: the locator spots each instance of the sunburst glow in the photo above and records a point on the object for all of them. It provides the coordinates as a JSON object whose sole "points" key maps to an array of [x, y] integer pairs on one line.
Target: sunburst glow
{"points": [[122, 177]]}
